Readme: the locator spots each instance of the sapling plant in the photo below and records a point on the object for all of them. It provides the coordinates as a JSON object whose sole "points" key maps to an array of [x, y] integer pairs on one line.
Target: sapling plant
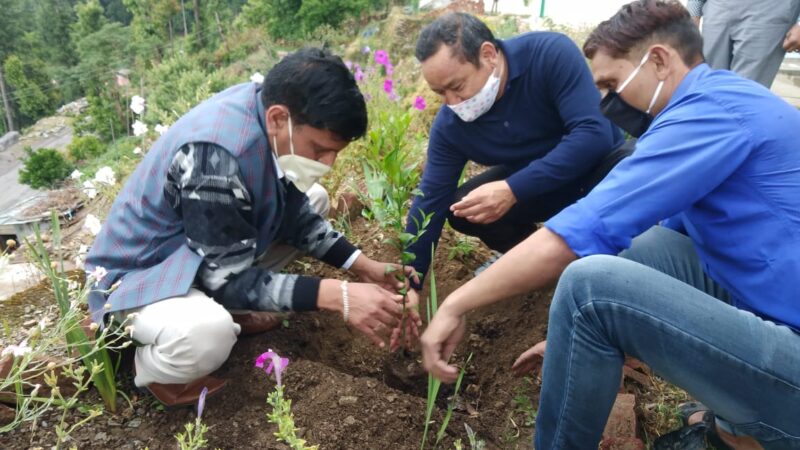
{"points": [[281, 414], [193, 436], [434, 384]]}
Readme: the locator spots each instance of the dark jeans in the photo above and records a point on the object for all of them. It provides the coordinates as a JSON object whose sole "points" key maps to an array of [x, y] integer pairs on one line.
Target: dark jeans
{"points": [[521, 220]]}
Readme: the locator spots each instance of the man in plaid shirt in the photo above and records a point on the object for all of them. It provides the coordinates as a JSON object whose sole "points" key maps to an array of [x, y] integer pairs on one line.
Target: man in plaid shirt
{"points": [[222, 202]]}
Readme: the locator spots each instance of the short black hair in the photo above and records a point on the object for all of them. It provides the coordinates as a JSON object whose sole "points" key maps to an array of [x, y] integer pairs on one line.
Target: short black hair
{"points": [[462, 32], [319, 91], [644, 22]]}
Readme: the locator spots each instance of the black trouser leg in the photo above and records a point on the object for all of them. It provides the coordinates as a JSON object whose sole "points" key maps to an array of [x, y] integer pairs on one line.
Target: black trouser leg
{"points": [[521, 220]]}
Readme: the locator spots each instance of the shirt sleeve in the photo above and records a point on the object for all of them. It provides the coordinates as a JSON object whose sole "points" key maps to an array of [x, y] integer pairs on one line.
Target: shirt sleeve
{"points": [[303, 228], [588, 136], [695, 7], [206, 189], [438, 186], [685, 155]]}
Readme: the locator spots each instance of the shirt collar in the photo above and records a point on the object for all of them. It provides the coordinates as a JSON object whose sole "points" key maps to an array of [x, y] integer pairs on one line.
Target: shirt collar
{"points": [[514, 69], [687, 82]]}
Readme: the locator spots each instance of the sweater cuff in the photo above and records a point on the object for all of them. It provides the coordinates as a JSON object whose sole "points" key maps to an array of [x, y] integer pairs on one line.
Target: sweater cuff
{"points": [[306, 291], [522, 186], [339, 253]]}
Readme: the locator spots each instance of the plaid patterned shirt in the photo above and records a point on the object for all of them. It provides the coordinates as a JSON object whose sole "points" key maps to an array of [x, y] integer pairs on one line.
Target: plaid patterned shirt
{"points": [[205, 201], [206, 189]]}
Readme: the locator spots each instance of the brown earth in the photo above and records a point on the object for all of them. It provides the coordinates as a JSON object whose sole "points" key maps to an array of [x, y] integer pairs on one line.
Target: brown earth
{"points": [[346, 393]]}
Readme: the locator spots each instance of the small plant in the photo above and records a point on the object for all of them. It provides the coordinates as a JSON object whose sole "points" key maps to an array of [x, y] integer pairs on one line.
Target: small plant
{"points": [[281, 414], [433, 383], [193, 436], [93, 349], [523, 405], [44, 168], [85, 147], [463, 248], [474, 442]]}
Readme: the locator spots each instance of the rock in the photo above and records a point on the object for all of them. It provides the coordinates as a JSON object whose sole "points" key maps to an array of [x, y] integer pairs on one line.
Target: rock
{"points": [[8, 139], [135, 423], [348, 400], [350, 420], [622, 420], [389, 412], [371, 384], [391, 397], [101, 436]]}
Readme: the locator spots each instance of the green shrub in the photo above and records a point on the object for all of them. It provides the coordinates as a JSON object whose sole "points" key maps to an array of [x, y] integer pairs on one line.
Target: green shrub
{"points": [[85, 147], [294, 19], [44, 168]]}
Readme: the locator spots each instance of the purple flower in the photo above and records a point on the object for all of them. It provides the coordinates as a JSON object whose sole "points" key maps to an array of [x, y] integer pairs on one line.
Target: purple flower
{"points": [[366, 49], [389, 69], [276, 362], [359, 75], [349, 65], [381, 57], [394, 97], [419, 103], [201, 403], [388, 86]]}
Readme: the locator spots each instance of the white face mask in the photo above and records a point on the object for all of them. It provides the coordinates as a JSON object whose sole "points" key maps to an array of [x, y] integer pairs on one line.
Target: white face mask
{"points": [[476, 106], [303, 172]]}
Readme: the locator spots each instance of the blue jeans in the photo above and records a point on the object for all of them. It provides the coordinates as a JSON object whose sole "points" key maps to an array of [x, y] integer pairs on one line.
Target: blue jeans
{"points": [[655, 303]]}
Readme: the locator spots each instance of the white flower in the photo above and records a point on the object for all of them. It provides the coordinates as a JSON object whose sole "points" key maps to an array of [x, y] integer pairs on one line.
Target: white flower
{"points": [[17, 350], [105, 175], [89, 189], [139, 128], [257, 78], [92, 224], [137, 104], [137, 151], [76, 174], [98, 273], [161, 129]]}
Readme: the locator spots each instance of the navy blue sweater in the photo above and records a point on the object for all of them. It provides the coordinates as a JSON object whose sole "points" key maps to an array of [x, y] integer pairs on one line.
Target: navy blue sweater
{"points": [[547, 127]]}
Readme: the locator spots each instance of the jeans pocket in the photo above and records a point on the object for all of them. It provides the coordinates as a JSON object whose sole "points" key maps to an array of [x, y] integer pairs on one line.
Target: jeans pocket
{"points": [[765, 433]]}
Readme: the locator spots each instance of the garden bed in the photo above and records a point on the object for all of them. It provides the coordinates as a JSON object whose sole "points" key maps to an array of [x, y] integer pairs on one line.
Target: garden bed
{"points": [[346, 393]]}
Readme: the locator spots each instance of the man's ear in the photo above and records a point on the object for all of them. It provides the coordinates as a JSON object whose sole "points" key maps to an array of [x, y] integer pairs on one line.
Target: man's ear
{"points": [[488, 52], [277, 117], [663, 59]]}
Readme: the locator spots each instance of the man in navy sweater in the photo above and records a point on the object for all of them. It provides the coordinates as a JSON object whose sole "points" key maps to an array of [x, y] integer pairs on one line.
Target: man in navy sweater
{"points": [[526, 107]]}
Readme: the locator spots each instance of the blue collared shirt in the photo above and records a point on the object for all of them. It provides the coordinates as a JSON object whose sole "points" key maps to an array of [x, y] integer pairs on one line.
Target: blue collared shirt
{"points": [[723, 159]]}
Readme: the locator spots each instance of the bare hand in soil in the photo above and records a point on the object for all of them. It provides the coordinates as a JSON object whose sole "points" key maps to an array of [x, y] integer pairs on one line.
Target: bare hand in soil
{"points": [[486, 203], [439, 340], [529, 361], [411, 323], [372, 308]]}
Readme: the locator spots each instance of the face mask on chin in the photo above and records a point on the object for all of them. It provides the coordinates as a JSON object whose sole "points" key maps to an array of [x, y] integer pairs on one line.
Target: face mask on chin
{"points": [[622, 114], [477, 105], [300, 171]]}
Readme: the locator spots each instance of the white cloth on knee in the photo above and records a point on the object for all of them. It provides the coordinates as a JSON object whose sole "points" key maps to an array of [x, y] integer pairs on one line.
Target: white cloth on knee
{"points": [[183, 338]]}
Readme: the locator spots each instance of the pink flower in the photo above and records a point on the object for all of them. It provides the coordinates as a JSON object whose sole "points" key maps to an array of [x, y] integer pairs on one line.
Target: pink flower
{"points": [[388, 86], [349, 65], [276, 362], [366, 49], [394, 97], [359, 75], [381, 57], [389, 69], [419, 103]]}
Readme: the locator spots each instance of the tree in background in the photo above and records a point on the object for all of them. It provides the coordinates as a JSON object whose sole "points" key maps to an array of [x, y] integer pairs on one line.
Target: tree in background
{"points": [[32, 92]]}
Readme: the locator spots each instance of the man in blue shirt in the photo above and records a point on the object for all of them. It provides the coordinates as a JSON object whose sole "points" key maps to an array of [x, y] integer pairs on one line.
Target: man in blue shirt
{"points": [[527, 108], [715, 310]]}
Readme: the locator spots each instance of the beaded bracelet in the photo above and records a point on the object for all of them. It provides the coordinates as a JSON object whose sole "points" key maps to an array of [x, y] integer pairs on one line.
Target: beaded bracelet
{"points": [[345, 302]]}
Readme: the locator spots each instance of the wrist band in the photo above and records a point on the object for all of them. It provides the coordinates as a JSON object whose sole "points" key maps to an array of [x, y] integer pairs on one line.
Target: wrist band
{"points": [[345, 302]]}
